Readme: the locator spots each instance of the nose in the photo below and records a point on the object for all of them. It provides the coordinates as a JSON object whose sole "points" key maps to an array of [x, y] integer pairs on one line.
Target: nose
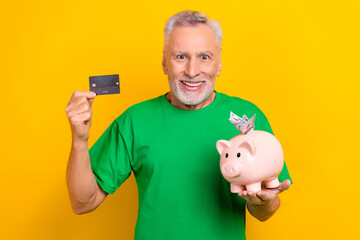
{"points": [[193, 68], [230, 170]]}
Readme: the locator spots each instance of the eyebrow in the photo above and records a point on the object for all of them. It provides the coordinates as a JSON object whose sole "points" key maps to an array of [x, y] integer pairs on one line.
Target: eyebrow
{"points": [[198, 53], [207, 52]]}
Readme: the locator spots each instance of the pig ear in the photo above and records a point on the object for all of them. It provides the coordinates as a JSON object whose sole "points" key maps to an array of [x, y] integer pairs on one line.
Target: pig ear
{"points": [[250, 146], [221, 145]]}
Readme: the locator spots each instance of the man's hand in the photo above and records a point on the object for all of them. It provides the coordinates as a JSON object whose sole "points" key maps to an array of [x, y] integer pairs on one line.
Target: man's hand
{"points": [[265, 195], [263, 204], [79, 113]]}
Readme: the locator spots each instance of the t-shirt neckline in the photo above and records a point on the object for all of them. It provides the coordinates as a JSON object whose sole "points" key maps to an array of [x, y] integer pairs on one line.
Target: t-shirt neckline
{"points": [[204, 109]]}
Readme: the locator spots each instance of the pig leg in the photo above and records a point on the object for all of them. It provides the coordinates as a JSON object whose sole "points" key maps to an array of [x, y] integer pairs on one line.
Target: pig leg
{"points": [[272, 183], [254, 187], [236, 188]]}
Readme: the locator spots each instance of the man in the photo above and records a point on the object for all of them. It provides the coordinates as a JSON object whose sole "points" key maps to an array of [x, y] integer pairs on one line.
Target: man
{"points": [[169, 143]]}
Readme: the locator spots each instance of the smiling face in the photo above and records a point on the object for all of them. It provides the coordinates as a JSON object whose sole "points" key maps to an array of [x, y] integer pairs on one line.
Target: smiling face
{"points": [[192, 63]]}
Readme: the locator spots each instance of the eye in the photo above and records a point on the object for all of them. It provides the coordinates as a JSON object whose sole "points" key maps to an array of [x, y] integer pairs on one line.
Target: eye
{"points": [[205, 57], [238, 155], [226, 155], [181, 57]]}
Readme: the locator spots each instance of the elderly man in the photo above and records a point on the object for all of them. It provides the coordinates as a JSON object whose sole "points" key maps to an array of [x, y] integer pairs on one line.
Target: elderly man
{"points": [[169, 144]]}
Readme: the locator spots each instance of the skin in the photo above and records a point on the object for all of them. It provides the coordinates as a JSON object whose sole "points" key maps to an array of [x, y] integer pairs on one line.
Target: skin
{"points": [[85, 194], [263, 204], [191, 57]]}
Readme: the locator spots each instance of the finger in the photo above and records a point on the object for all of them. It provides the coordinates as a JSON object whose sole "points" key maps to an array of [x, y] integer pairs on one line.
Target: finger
{"points": [[245, 196], [74, 110], [91, 100], [266, 196], [80, 118], [254, 198], [84, 117], [242, 193], [284, 185], [76, 102], [87, 94]]}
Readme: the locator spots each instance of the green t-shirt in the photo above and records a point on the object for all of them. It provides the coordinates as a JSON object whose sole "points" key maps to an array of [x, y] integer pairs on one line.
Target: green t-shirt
{"points": [[172, 152]]}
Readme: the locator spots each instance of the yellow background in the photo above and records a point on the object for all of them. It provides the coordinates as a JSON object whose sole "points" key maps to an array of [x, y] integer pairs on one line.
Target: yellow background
{"points": [[297, 60]]}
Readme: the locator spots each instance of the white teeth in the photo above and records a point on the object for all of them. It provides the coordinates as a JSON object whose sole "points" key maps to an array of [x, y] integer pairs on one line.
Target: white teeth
{"points": [[192, 84]]}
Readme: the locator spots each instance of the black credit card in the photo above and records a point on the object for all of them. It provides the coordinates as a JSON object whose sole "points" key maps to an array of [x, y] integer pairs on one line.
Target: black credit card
{"points": [[106, 84]]}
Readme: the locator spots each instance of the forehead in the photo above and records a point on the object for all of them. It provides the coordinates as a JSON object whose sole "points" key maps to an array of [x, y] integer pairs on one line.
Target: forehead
{"points": [[197, 37]]}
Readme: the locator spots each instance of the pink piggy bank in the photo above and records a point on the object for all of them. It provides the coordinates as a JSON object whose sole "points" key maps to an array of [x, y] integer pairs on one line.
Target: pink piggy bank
{"points": [[250, 159]]}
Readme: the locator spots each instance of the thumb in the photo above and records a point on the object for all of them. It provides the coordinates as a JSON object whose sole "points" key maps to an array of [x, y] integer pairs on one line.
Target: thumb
{"points": [[91, 100], [285, 184], [91, 97]]}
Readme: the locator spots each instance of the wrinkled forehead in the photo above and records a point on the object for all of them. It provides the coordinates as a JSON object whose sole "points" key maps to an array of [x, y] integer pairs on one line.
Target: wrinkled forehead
{"points": [[197, 37]]}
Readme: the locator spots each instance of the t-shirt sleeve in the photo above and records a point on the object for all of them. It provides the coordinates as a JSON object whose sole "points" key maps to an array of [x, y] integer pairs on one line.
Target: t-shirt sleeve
{"points": [[261, 123], [110, 156]]}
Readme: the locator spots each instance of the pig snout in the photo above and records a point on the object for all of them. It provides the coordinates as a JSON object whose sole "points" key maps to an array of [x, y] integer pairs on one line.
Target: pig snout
{"points": [[230, 169]]}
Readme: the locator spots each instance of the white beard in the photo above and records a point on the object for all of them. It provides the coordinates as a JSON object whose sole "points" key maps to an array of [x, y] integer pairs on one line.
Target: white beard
{"points": [[191, 97]]}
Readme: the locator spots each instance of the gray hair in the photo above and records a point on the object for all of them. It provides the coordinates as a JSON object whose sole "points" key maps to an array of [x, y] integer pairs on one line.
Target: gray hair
{"points": [[191, 18]]}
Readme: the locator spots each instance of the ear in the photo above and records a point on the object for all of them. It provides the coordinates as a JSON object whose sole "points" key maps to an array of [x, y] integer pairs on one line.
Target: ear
{"points": [[250, 146], [221, 145], [219, 68], [164, 67]]}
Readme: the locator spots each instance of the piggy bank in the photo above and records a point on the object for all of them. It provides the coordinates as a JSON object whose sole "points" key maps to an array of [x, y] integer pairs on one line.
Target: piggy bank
{"points": [[249, 159]]}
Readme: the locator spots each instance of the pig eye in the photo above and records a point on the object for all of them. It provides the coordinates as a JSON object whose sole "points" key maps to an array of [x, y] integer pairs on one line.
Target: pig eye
{"points": [[238, 155], [226, 155]]}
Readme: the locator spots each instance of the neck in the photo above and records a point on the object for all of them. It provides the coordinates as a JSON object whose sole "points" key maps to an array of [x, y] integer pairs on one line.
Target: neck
{"points": [[177, 103]]}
